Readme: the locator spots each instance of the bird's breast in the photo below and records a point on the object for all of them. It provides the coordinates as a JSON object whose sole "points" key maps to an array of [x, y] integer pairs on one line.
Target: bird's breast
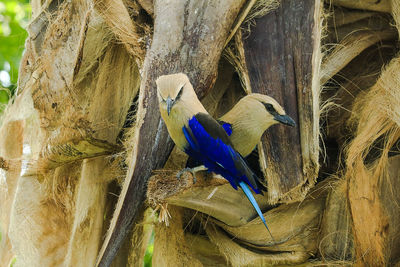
{"points": [[245, 139], [175, 126]]}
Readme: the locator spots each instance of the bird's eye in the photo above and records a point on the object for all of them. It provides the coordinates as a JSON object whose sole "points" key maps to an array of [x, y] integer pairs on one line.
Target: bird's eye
{"points": [[180, 93], [270, 108]]}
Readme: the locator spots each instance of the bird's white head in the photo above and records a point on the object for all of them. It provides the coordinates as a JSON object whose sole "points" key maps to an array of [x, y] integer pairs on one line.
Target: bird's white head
{"points": [[251, 117], [174, 89], [270, 111]]}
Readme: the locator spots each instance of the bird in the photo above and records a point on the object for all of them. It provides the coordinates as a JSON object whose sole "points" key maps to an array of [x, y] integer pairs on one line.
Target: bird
{"points": [[200, 136], [252, 115]]}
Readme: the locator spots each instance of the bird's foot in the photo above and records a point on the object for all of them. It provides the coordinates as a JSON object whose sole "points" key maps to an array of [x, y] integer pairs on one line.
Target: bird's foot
{"points": [[192, 171], [179, 174]]}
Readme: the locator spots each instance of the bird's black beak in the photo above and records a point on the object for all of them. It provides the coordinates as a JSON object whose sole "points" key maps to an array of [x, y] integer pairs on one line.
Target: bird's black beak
{"points": [[170, 103], [285, 119]]}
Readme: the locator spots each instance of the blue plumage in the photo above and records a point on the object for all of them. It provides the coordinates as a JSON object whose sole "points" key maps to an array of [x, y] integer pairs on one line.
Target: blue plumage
{"points": [[252, 200], [215, 155], [220, 157], [228, 128]]}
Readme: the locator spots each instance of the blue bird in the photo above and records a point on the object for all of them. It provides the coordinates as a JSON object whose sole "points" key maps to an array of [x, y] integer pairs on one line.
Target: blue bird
{"points": [[194, 131]]}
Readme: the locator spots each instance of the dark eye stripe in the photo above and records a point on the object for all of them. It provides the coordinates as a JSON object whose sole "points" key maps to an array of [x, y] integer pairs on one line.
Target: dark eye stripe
{"points": [[270, 108], [180, 93]]}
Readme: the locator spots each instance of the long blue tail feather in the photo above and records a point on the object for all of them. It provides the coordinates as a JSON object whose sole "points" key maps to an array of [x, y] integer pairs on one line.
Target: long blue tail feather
{"points": [[249, 195]]}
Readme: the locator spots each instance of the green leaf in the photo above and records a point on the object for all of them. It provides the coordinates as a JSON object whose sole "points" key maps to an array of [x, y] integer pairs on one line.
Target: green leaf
{"points": [[14, 17], [148, 257]]}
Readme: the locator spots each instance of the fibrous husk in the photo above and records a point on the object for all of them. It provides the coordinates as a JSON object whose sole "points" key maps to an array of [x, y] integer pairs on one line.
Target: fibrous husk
{"points": [[381, 6], [377, 116], [11, 136], [349, 48], [341, 91], [129, 32], [223, 203], [336, 237], [236, 227], [339, 17], [170, 248], [41, 217], [352, 40], [76, 86]]}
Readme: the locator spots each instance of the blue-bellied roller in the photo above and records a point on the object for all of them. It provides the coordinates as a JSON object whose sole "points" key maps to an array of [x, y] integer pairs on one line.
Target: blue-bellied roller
{"points": [[203, 138]]}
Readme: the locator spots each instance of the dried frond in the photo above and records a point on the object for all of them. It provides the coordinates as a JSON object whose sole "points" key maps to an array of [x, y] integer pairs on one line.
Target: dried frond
{"points": [[116, 15], [377, 116]]}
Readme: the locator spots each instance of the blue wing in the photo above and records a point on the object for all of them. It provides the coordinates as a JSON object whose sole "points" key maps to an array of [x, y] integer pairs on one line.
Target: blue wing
{"points": [[213, 149], [227, 127]]}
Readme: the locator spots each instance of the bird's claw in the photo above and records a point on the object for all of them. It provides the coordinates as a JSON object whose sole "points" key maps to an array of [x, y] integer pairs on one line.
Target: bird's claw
{"points": [[179, 174], [191, 170]]}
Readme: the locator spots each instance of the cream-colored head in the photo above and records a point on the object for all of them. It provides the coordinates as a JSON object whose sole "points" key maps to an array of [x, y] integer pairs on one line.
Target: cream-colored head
{"points": [[178, 103], [250, 117], [260, 109], [173, 90]]}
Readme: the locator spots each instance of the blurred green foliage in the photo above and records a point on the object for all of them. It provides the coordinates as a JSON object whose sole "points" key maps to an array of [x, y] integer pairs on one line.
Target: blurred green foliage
{"points": [[149, 252], [14, 17], [13, 261]]}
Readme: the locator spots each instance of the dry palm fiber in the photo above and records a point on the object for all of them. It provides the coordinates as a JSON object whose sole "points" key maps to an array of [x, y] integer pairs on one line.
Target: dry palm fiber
{"points": [[351, 47], [253, 9], [148, 6], [381, 6], [377, 116], [349, 32], [369, 125], [128, 31], [339, 16], [170, 246], [352, 39], [41, 217], [341, 90], [346, 39], [234, 52], [295, 226], [64, 101], [11, 136], [336, 239]]}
